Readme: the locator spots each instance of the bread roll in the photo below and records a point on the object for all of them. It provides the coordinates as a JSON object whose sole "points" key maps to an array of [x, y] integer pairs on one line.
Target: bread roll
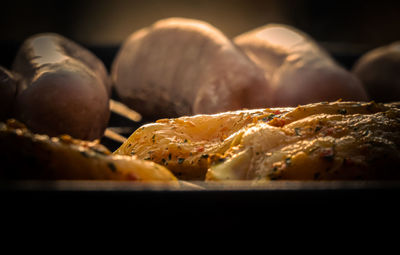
{"points": [[300, 72], [181, 67], [64, 88], [379, 70]]}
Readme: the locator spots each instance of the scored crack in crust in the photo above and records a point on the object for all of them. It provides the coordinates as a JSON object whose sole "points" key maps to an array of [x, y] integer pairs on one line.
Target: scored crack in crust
{"points": [[321, 141]]}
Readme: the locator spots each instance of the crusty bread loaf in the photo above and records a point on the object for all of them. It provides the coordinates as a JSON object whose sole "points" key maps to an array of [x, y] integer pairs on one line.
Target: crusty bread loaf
{"points": [[379, 70], [181, 67], [64, 88], [299, 70]]}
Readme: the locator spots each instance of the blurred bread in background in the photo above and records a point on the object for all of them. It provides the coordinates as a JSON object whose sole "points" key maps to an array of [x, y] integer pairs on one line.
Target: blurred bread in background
{"points": [[379, 71]]}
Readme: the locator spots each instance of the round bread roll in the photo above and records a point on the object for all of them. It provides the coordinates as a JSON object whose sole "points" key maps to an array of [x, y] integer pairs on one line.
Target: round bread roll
{"points": [[64, 88], [379, 70], [181, 67], [300, 72]]}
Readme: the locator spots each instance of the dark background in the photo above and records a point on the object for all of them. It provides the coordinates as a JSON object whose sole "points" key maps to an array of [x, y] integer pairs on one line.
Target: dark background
{"points": [[106, 22], [348, 28]]}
